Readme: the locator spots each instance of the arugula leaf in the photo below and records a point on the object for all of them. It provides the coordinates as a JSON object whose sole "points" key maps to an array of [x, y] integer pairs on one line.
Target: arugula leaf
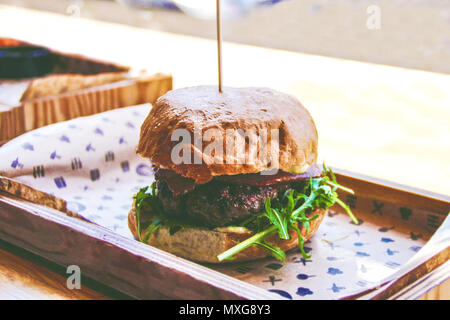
{"points": [[275, 251], [278, 219], [247, 243], [348, 210], [287, 212], [300, 242], [151, 229], [138, 199], [150, 214], [151, 205], [290, 211]]}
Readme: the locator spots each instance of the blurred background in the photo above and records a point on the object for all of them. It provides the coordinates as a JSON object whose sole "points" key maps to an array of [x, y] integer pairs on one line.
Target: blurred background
{"points": [[374, 74], [405, 33]]}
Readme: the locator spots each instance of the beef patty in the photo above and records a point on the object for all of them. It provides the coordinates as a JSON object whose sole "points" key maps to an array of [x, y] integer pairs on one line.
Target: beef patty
{"points": [[222, 201], [216, 203]]}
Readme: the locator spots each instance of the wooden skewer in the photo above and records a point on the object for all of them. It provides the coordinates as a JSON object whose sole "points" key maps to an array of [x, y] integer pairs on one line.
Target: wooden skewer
{"points": [[219, 43]]}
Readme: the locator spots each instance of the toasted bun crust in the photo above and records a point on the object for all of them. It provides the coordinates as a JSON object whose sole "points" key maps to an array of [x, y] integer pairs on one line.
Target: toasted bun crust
{"points": [[236, 108], [66, 83], [205, 245]]}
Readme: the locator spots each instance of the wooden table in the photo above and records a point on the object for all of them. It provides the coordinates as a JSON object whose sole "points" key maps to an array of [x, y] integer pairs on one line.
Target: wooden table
{"points": [[380, 121], [26, 276]]}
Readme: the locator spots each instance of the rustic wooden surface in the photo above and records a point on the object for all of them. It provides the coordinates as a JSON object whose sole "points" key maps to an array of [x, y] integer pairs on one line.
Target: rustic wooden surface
{"points": [[23, 279], [134, 268], [387, 122]]}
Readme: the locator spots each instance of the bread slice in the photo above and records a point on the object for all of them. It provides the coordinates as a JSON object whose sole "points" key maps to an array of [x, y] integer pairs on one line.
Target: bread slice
{"points": [[54, 85]]}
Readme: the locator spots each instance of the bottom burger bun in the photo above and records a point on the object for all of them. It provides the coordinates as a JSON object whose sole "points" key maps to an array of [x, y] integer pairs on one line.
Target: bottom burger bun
{"points": [[203, 245]]}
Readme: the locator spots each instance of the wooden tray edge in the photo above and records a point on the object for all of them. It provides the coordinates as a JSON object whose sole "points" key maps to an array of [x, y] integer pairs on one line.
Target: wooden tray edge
{"points": [[429, 255], [201, 282], [376, 187]]}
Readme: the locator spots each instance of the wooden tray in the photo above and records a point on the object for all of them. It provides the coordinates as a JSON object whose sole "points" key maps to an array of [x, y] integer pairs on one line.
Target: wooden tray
{"points": [[145, 272], [41, 112]]}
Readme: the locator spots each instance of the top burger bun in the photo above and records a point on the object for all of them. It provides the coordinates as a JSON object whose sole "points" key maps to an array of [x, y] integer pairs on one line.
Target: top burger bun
{"points": [[235, 108]]}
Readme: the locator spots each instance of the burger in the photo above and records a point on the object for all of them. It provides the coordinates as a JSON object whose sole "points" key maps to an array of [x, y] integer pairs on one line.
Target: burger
{"points": [[235, 175]]}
